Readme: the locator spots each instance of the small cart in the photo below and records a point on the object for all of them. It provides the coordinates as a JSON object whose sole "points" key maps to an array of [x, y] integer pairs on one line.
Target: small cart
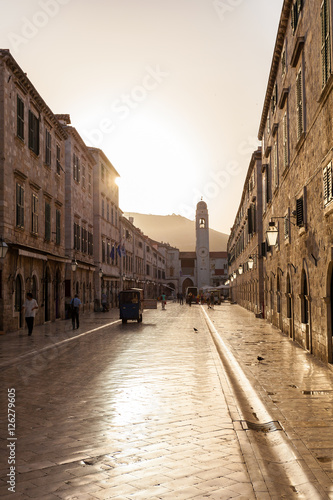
{"points": [[131, 304]]}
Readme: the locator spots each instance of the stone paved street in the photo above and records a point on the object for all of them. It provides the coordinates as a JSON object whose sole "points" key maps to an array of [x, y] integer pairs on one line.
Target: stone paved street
{"points": [[147, 411]]}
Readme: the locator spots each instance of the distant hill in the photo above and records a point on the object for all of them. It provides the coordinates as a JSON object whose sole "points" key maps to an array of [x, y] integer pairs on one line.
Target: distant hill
{"points": [[176, 230]]}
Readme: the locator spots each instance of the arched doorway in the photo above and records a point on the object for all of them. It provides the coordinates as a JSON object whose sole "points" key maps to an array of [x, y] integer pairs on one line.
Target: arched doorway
{"points": [[186, 283], [305, 310], [330, 324], [290, 311], [19, 299]]}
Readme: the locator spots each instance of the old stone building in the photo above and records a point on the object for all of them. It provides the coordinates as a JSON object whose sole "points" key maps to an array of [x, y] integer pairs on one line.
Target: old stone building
{"points": [[244, 244], [297, 155], [79, 218], [296, 130], [32, 200], [107, 242]]}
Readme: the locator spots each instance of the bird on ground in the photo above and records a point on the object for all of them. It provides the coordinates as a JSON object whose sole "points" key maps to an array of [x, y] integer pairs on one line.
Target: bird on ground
{"points": [[259, 358], [195, 329]]}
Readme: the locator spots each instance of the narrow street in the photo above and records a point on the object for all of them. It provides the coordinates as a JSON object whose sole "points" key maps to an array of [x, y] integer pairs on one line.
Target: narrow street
{"points": [[148, 411]]}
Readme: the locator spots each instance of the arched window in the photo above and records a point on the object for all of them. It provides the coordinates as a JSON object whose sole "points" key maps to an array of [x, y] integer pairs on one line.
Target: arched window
{"points": [[202, 223]]}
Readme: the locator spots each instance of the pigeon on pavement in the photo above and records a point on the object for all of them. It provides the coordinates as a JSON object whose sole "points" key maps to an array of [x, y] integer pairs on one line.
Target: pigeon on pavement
{"points": [[259, 358]]}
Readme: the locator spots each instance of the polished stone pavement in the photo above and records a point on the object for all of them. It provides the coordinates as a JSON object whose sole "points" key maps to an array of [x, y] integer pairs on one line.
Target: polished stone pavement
{"points": [[147, 411]]}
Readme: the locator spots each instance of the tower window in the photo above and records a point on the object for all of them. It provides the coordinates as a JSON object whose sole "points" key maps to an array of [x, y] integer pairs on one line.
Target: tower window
{"points": [[202, 223]]}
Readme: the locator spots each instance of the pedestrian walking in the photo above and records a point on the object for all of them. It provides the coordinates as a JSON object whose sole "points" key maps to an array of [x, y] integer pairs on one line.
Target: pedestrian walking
{"points": [[163, 301], [75, 307], [30, 306], [190, 299], [212, 300], [104, 302], [181, 299]]}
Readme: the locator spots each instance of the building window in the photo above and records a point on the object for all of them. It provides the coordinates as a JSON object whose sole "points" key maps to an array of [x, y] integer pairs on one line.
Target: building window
{"points": [[90, 244], [102, 173], [108, 252], [285, 141], [58, 159], [286, 226], [328, 184], [84, 242], [33, 133], [34, 213], [103, 210], [300, 212], [47, 147], [47, 221], [76, 168], [83, 176], [325, 41], [107, 211], [77, 239], [283, 62], [58, 226], [89, 182], [275, 166], [19, 205], [299, 104], [295, 14], [202, 223], [20, 118], [103, 251], [274, 98]]}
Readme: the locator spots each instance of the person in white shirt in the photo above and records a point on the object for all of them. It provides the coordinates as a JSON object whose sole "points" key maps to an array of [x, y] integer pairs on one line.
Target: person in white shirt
{"points": [[30, 306]]}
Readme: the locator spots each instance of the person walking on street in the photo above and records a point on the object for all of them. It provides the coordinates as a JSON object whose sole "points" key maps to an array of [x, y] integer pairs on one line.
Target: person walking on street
{"points": [[104, 302], [75, 306], [181, 299], [30, 306], [190, 299], [163, 301]]}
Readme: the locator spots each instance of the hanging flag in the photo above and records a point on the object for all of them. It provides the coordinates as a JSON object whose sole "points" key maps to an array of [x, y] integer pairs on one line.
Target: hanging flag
{"points": [[119, 250], [112, 254], [123, 251]]}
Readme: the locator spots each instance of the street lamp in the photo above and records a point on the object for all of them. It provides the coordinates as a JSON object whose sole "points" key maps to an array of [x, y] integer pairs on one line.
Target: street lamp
{"points": [[272, 234], [250, 262], [235, 275], [74, 265], [3, 248], [240, 269]]}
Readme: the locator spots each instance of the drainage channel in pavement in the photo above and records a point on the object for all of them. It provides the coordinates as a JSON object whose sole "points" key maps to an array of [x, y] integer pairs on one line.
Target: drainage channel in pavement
{"points": [[283, 469]]}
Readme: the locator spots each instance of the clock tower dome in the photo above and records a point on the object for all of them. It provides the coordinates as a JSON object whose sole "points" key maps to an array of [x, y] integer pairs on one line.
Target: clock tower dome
{"points": [[202, 245]]}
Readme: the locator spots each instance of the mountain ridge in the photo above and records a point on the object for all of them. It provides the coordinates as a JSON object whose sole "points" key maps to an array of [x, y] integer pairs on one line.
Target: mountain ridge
{"points": [[176, 230]]}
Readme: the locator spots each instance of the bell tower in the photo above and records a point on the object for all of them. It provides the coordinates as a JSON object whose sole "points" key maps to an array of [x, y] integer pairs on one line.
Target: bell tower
{"points": [[202, 244]]}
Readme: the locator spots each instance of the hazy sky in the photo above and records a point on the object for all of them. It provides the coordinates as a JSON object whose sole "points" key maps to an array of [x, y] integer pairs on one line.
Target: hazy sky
{"points": [[171, 90]]}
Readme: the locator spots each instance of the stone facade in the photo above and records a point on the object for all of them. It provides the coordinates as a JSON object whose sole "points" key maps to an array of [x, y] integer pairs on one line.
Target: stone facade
{"points": [[244, 245], [32, 200], [297, 145], [79, 219], [108, 244]]}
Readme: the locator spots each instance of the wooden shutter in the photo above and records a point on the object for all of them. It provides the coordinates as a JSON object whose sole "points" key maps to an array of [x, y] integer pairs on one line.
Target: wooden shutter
{"points": [[299, 212], [327, 179]]}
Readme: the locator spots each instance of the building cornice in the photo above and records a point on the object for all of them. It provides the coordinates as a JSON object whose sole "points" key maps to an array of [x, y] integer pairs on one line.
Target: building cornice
{"points": [[275, 63], [23, 81]]}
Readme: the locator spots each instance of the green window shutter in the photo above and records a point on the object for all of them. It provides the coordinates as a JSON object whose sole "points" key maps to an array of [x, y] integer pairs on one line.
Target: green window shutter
{"points": [[299, 212]]}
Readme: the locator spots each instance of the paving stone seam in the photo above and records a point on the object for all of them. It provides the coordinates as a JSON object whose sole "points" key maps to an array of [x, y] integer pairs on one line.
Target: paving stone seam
{"points": [[233, 373]]}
